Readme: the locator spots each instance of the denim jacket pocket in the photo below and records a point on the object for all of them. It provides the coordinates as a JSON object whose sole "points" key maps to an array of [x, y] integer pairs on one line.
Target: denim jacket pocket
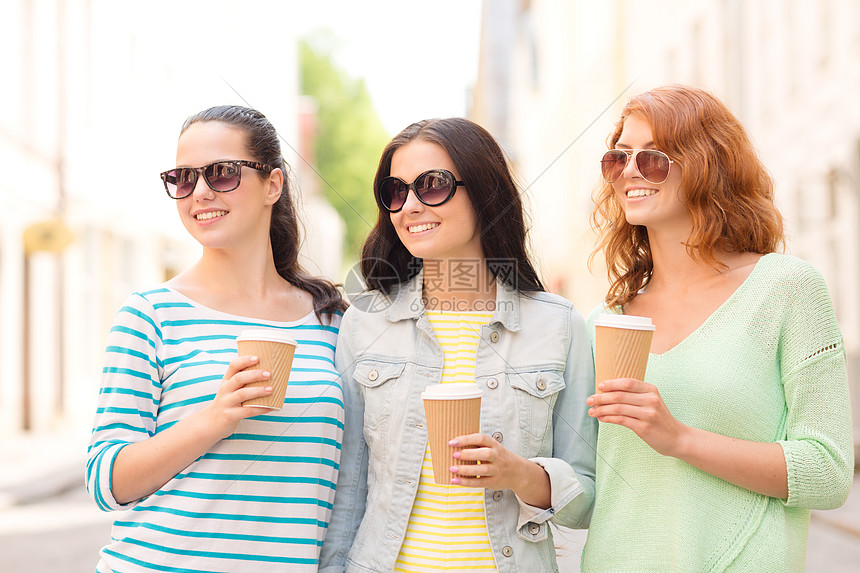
{"points": [[376, 380], [536, 398]]}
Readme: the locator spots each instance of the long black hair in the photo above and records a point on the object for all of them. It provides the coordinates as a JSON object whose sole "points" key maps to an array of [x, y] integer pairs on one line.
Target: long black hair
{"points": [[494, 195], [263, 145]]}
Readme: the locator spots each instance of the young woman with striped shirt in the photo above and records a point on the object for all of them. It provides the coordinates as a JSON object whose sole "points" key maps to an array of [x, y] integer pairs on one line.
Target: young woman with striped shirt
{"points": [[210, 485], [455, 298]]}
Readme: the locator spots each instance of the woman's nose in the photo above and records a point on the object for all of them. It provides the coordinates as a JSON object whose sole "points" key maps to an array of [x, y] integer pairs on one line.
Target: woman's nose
{"points": [[630, 170], [411, 203], [201, 189]]}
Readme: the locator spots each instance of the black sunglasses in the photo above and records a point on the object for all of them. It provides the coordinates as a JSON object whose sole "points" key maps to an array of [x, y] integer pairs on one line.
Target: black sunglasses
{"points": [[220, 176], [432, 188], [652, 165]]}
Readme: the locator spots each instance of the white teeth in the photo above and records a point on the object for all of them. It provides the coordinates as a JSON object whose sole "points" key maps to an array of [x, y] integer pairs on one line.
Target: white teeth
{"points": [[641, 192], [209, 215], [424, 227]]}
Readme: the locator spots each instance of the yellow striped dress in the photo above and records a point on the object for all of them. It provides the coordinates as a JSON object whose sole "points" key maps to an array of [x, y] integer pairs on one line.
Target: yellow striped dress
{"points": [[447, 529]]}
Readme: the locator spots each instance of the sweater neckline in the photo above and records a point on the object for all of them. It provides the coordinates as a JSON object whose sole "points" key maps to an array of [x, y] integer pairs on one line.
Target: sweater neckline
{"points": [[722, 309]]}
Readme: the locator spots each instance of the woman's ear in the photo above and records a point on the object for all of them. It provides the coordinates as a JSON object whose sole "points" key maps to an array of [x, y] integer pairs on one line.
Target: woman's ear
{"points": [[276, 186]]}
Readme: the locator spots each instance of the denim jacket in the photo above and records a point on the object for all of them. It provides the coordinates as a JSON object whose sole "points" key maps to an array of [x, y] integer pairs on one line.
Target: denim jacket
{"points": [[535, 369]]}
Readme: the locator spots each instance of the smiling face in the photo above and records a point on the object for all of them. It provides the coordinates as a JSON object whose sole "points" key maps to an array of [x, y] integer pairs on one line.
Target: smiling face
{"points": [[229, 219], [446, 231], [656, 206]]}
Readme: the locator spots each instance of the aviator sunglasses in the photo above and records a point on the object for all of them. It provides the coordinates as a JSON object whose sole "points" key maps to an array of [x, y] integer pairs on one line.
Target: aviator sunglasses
{"points": [[652, 165], [432, 188], [221, 176]]}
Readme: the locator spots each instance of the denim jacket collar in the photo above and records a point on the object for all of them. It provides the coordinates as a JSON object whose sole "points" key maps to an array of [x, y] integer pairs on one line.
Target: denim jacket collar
{"points": [[408, 303]]}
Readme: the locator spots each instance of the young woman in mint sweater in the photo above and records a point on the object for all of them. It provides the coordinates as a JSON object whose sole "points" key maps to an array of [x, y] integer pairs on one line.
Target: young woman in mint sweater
{"points": [[742, 424]]}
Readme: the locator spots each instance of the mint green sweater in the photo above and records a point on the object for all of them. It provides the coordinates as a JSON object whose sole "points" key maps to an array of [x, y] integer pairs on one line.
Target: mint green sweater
{"points": [[767, 366]]}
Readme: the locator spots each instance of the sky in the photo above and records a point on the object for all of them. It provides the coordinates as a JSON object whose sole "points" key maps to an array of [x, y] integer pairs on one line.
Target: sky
{"points": [[419, 59]]}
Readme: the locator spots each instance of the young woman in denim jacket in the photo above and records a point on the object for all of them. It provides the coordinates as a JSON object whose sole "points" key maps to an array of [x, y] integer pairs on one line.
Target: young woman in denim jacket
{"points": [[450, 240]]}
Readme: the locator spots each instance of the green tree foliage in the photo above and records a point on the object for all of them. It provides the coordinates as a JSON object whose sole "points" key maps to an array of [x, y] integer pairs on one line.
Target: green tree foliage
{"points": [[350, 139]]}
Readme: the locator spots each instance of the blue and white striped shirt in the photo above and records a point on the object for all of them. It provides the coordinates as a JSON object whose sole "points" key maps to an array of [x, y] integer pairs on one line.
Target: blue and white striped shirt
{"points": [[260, 499]]}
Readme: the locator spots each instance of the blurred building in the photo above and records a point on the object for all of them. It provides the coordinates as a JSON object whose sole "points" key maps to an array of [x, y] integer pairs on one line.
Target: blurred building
{"points": [[786, 68], [94, 96], [323, 226]]}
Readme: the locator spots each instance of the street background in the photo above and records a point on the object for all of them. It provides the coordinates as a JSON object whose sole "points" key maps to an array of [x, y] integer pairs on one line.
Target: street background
{"points": [[96, 90]]}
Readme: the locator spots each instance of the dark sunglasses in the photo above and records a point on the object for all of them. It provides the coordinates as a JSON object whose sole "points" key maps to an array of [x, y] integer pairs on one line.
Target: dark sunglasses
{"points": [[220, 176], [432, 188], [652, 165]]}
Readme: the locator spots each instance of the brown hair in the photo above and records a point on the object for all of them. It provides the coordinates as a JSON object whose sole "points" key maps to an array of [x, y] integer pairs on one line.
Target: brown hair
{"points": [[494, 195], [725, 187], [263, 145]]}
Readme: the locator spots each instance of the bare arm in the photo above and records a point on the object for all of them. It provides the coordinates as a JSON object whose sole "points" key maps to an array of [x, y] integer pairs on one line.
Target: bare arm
{"points": [[756, 466], [143, 467], [637, 405]]}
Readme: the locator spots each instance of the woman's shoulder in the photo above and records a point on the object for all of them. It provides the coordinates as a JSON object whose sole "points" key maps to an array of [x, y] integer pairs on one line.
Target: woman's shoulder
{"points": [[543, 306], [601, 308], [371, 302], [147, 308], [330, 320], [785, 262], [778, 270], [154, 296], [546, 299]]}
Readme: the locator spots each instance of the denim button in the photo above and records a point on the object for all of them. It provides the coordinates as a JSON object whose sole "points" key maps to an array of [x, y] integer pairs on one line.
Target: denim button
{"points": [[541, 384], [498, 436], [534, 528], [494, 337], [507, 551], [492, 383], [372, 375], [497, 495]]}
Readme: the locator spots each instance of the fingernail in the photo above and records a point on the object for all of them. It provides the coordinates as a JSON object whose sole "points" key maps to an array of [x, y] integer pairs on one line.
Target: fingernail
{"points": [[267, 374], [453, 469], [591, 412], [455, 481], [456, 455], [453, 443], [269, 389]]}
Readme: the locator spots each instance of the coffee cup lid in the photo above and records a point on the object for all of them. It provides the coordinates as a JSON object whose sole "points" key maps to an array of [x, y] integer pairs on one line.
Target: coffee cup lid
{"points": [[451, 391], [624, 321], [266, 335]]}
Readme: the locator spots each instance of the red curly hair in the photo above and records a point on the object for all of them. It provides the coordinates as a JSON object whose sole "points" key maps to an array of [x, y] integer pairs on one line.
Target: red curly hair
{"points": [[726, 188]]}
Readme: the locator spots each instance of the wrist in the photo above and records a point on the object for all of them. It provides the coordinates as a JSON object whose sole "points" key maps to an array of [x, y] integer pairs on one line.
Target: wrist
{"points": [[685, 441], [533, 485], [526, 475], [204, 425]]}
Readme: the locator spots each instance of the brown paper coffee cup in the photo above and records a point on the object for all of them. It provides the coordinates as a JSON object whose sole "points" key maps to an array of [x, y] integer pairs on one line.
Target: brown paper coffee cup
{"points": [[622, 344], [275, 351], [452, 410]]}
